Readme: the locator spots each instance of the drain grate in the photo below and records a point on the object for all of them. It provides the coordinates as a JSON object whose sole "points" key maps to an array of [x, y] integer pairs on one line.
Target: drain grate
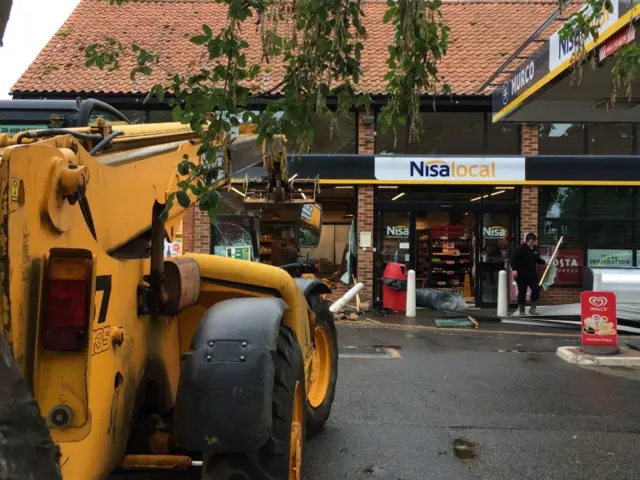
{"points": [[368, 352]]}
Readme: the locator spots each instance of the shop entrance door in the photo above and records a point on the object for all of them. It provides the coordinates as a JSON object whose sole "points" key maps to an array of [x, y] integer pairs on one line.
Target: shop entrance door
{"points": [[496, 236], [393, 240]]}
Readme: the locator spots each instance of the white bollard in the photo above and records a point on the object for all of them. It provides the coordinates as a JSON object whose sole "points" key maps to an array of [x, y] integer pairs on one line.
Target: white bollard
{"points": [[346, 298], [597, 281], [503, 295], [411, 294]]}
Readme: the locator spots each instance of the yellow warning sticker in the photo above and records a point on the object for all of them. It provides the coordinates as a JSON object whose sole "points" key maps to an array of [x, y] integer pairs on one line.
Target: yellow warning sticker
{"points": [[15, 189]]}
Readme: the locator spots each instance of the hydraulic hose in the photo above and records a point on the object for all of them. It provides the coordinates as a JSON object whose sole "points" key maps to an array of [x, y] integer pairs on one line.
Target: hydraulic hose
{"points": [[105, 141], [49, 132]]}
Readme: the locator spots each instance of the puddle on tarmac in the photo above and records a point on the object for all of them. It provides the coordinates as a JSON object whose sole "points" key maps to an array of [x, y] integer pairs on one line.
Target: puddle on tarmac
{"points": [[464, 449]]}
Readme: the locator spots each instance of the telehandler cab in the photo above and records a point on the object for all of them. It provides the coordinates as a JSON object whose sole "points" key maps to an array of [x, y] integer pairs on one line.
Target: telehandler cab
{"points": [[144, 363]]}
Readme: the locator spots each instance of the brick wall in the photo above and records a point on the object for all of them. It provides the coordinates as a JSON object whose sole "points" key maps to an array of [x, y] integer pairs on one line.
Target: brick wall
{"points": [[339, 290], [188, 231], [202, 229], [529, 200], [365, 224], [529, 210], [560, 295], [366, 145]]}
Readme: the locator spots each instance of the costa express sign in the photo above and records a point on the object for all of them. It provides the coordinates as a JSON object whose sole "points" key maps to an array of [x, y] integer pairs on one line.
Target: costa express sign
{"points": [[568, 263]]}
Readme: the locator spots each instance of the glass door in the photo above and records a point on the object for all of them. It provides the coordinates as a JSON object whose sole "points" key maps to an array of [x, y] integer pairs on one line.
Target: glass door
{"points": [[393, 244], [495, 237]]}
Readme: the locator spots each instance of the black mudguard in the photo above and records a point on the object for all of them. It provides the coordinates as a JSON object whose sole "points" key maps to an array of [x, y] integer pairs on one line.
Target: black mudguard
{"points": [[224, 400], [308, 285]]}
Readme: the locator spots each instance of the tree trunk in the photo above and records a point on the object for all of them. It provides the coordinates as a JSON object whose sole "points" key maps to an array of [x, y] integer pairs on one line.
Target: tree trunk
{"points": [[26, 448]]}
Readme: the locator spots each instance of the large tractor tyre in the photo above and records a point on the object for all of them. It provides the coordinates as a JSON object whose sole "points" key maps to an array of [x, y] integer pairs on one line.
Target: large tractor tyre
{"points": [[324, 374], [281, 456]]}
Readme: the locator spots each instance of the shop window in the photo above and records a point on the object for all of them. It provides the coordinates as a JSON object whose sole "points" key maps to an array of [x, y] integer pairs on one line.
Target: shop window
{"points": [[596, 223], [441, 134], [610, 139], [450, 133], [497, 194], [332, 252], [610, 244], [503, 139], [385, 142], [341, 140], [569, 261], [447, 194], [392, 192], [561, 139], [609, 202], [560, 202], [160, 116], [609, 234], [136, 116]]}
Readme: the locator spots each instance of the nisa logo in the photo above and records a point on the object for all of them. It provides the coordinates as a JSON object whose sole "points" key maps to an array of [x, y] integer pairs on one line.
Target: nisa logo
{"points": [[443, 169], [494, 232], [397, 231]]}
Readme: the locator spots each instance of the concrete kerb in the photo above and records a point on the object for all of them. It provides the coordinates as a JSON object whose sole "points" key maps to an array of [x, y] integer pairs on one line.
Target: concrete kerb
{"points": [[626, 358], [456, 331]]}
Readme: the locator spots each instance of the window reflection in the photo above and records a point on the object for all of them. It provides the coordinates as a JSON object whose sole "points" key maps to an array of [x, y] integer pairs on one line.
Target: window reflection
{"points": [[556, 202], [610, 139], [503, 139], [561, 139]]}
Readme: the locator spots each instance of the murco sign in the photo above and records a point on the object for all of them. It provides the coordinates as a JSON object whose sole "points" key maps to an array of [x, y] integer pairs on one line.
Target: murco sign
{"points": [[521, 79]]}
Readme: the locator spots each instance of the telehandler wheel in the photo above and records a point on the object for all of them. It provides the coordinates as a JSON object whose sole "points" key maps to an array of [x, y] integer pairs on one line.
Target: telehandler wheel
{"points": [[324, 369], [281, 456]]}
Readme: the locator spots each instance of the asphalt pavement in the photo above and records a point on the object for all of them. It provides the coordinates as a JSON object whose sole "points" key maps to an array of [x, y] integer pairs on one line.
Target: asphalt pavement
{"points": [[474, 404]]}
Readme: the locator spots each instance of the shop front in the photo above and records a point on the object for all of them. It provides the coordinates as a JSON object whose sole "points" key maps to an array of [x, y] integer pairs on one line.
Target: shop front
{"points": [[456, 238]]}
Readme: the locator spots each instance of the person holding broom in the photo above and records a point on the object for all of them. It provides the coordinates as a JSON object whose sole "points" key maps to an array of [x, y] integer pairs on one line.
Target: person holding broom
{"points": [[524, 264]]}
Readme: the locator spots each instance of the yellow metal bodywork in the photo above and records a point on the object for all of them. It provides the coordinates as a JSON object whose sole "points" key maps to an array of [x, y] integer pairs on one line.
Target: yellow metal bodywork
{"points": [[100, 382]]}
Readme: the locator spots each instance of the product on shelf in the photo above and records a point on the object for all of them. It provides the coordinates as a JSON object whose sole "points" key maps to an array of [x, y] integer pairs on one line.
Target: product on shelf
{"points": [[444, 255]]}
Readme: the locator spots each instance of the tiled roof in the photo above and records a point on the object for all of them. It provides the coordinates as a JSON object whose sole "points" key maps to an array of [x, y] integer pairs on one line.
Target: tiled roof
{"points": [[484, 33]]}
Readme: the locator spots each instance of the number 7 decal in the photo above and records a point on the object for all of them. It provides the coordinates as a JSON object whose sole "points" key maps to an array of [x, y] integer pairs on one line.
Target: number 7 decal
{"points": [[103, 284]]}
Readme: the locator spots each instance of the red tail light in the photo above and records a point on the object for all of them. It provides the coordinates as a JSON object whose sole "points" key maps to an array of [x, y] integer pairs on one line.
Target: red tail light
{"points": [[66, 303]]}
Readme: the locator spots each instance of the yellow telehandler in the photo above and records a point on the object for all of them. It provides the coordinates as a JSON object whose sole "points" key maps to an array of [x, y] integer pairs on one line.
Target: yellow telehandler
{"points": [[143, 363]]}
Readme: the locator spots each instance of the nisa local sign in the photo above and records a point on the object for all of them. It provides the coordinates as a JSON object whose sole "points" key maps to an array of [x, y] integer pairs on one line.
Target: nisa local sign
{"points": [[561, 50], [452, 169], [441, 168]]}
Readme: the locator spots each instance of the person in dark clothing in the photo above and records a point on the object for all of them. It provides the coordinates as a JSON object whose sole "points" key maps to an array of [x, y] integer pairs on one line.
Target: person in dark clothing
{"points": [[524, 264]]}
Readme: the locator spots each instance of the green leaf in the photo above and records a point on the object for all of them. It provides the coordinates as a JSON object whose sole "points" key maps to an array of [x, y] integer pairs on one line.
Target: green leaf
{"points": [[254, 70], [207, 30], [391, 11], [183, 199], [183, 169], [176, 113], [363, 101], [199, 39]]}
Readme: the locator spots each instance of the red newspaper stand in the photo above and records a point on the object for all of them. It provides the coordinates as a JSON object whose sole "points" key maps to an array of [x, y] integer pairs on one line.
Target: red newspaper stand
{"points": [[392, 298]]}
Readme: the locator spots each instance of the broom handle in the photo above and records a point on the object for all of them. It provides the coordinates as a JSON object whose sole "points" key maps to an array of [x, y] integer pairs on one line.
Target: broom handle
{"points": [[550, 262]]}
